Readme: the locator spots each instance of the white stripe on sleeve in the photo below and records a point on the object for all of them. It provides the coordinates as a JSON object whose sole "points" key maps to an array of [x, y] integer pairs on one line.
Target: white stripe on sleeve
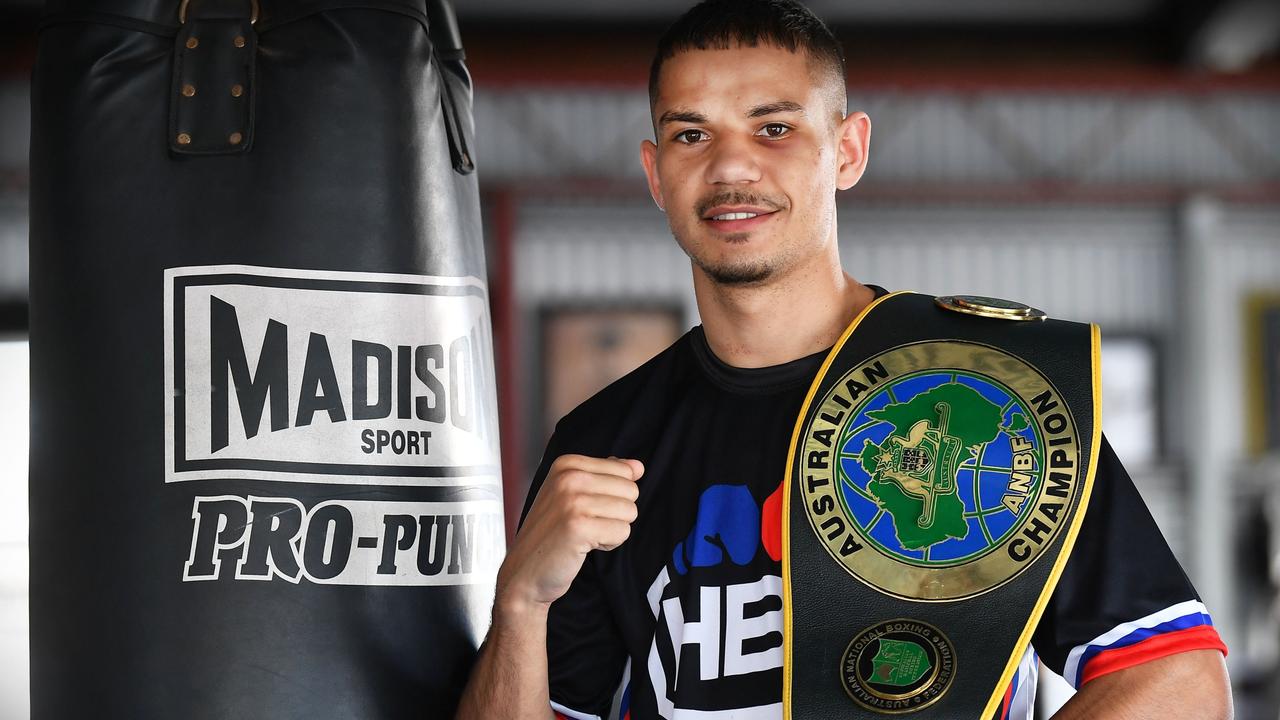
{"points": [[572, 713], [1173, 612]]}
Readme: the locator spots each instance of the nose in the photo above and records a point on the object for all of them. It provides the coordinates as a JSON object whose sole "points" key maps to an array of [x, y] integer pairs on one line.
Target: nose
{"points": [[733, 162]]}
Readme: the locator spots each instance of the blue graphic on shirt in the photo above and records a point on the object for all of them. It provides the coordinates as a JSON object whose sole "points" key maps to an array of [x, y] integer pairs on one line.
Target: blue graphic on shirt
{"points": [[728, 523]]}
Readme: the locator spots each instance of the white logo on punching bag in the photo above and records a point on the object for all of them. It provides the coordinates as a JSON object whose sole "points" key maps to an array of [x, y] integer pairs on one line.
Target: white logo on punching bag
{"points": [[328, 377], [337, 378]]}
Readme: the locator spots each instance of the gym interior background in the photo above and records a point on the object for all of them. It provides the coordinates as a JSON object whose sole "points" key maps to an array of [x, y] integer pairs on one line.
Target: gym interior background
{"points": [[1108, 160]]}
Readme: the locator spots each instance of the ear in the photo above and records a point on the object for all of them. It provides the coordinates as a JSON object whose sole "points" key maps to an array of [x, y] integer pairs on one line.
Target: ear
{"points": [[854, 141], [649, 159]]}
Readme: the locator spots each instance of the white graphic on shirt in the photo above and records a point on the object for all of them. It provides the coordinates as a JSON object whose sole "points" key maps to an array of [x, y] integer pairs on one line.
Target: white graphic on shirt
{"points": [[718, 636]]}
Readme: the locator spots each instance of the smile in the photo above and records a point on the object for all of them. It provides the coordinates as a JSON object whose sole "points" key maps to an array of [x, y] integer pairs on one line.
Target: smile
{"points": [[737, 220]]}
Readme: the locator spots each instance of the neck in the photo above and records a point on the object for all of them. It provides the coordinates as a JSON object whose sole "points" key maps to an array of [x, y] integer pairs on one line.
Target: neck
{"points": [[782, 319]]}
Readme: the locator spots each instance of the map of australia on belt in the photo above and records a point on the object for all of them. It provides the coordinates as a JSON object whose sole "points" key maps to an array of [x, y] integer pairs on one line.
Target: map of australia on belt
{"points": [[914, 470]]}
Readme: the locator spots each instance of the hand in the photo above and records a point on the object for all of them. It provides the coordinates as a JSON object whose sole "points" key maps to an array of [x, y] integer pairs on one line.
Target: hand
{"points": [[584, 504]]}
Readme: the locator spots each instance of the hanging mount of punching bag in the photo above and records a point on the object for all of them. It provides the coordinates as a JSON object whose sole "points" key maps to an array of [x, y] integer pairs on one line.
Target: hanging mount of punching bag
{"points": [[212, 95]]}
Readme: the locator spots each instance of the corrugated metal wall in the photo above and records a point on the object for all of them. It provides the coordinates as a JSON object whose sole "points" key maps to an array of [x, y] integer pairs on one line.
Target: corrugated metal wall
{"points": [[1091, 138], [1112, 265], [1109, 265]]}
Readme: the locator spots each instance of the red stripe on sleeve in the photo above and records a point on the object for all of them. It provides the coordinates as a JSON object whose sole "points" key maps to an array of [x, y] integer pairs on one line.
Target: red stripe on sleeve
{"points": [[1201, 637]]}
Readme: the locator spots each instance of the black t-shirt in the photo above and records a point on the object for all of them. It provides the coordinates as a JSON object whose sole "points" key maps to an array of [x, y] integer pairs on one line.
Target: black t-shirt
{"points": [[686, 615]]}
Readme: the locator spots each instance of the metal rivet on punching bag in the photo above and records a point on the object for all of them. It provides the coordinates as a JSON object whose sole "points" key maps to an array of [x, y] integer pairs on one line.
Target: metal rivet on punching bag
{"points": [[236, 138], [192, 43], [188, 90], [184, 139], [237, 90]]}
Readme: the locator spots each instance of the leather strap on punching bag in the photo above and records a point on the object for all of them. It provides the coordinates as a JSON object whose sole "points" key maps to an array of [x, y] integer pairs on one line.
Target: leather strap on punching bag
{"points": [[211, 100], [264, 466]]}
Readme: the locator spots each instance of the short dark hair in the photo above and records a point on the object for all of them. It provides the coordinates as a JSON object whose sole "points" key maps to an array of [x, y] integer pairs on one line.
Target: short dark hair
{"points": [[722, 24]]}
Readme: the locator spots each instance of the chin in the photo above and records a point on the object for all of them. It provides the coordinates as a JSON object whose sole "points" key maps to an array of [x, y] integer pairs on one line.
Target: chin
{"points": [[738, 274]]}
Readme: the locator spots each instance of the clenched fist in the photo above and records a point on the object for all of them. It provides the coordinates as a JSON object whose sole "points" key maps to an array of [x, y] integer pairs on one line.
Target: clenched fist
{"points": [[584, 504]]}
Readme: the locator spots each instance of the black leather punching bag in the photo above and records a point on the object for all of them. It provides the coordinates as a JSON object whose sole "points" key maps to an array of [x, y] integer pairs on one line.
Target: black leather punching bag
{"points": [[264, 474]]}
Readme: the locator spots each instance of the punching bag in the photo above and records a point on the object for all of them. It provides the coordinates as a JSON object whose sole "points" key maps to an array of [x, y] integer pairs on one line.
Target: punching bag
{"points": [[264, 467]]}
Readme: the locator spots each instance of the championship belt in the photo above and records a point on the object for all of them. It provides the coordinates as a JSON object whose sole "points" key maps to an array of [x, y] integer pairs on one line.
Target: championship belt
{"points": [[937, 478]]}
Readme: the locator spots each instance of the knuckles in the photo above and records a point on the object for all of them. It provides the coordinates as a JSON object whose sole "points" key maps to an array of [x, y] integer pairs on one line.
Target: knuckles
{"points": [[570, 482], [571, 500], [576, 505]]}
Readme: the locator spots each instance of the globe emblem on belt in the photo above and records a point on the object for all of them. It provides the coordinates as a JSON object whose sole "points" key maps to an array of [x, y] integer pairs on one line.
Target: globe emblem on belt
{"points": [[933, 486], [939, 470]]}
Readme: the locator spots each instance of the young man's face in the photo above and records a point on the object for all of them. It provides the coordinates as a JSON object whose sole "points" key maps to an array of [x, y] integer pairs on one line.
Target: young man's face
{"points": [[751, 148]]}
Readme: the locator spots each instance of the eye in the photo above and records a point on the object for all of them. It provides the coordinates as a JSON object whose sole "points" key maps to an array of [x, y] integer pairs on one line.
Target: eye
{"points": [[689, 137], [774, 130]]}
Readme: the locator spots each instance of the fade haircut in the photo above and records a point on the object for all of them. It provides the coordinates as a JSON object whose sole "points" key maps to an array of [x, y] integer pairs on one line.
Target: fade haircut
{"points": [[724, 24]]}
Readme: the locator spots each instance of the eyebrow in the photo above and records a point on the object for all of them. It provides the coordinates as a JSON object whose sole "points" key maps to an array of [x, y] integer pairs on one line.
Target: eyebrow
{"points": [[780, 106], [696, 118], [685, 116]]}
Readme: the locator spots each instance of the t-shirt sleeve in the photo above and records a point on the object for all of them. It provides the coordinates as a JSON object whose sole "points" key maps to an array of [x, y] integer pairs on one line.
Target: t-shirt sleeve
{"points": [[1123, 599], [585, 652]]}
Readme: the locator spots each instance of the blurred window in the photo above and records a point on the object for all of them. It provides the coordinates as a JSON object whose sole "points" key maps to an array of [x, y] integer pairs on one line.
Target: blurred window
{"points": [[1130, 399]]}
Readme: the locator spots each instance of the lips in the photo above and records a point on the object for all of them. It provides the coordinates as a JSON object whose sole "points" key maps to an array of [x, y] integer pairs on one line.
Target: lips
{"points": [[737, 218]]}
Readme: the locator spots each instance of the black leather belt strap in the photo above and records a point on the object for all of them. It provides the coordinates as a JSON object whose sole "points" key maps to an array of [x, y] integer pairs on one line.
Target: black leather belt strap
{"points": [[937, 478]]}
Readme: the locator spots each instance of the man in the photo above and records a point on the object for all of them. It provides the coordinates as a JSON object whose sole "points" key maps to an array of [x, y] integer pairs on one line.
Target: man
{"points": [[644, 562]]}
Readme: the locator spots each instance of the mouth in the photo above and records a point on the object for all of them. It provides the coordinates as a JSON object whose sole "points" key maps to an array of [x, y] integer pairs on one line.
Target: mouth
{"points": [[735, 219]]}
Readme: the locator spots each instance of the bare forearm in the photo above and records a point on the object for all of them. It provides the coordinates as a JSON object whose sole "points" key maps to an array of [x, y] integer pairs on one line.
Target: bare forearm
{"points": [[510, 676], [585, 504], [1187, 686]]}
